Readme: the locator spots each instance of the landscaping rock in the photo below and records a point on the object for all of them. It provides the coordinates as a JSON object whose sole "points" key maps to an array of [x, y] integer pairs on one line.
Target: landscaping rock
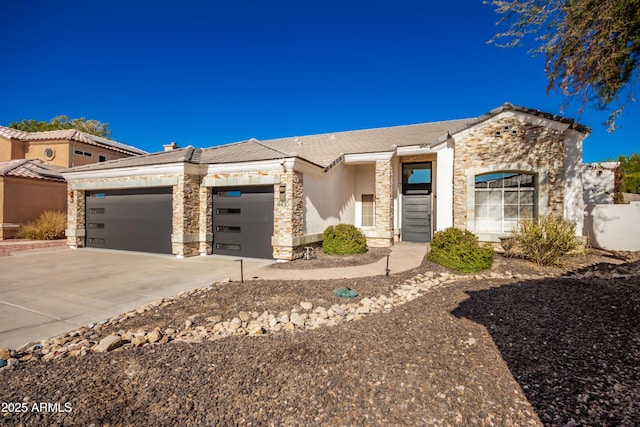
{"points": [[109, 343], [5, 353]]}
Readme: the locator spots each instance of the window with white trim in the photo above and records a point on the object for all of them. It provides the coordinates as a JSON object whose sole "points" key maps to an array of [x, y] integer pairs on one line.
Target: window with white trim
{"points": [[503, 199], [368, 210]]}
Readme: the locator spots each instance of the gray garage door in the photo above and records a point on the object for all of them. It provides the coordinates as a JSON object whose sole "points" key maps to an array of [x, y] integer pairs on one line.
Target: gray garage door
{"points": [[243, 221], [132, 220], [416, 218]]}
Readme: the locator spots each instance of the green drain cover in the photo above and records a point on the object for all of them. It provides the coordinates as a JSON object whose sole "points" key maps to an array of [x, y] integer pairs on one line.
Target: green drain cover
{"points": [[346, 292]]}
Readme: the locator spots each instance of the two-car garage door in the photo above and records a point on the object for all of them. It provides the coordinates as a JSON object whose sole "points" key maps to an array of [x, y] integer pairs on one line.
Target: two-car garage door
{"points": [[141, 220], [132, 219]]}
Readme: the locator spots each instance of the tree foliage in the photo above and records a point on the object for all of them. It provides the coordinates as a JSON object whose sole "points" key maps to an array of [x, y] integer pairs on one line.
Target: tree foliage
{"points": [[93, 127], [630, 167], [592, 47]]}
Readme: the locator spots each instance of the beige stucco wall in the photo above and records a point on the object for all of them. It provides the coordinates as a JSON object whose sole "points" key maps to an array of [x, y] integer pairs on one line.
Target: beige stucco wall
{"points": [[22, 200], [329, 198], [11, 150]]}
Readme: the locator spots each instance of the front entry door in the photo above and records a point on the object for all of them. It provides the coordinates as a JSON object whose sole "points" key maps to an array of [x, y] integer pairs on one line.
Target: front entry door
{"points": [[416, 202], [416, 218]]}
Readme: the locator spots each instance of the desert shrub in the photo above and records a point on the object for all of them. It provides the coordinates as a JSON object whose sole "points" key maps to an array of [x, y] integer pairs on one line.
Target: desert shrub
{"points": [[459, 250], [50, 225], [545, 240], [343, 239]]}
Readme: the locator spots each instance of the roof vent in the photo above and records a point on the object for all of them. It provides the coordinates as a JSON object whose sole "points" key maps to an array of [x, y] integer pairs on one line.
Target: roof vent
{"points": [[298, 141], [170, 147], [332, 137]]}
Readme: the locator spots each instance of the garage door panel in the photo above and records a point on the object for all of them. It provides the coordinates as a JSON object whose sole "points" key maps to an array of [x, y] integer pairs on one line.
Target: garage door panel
{"points": [[135, 220], [243, 221]]}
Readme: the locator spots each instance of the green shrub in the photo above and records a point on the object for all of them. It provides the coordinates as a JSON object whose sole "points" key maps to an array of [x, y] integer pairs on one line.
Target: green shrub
{"points": [[459, 250], [545, 240], [50, 225], [343, 239]]}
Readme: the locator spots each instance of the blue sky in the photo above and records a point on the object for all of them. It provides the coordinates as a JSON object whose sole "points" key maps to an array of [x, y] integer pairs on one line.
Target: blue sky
{"points": [[205, 73]]}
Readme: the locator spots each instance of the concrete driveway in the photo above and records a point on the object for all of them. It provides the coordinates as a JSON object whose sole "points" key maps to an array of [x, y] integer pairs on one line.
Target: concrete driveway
{"points": [[47, 292]]}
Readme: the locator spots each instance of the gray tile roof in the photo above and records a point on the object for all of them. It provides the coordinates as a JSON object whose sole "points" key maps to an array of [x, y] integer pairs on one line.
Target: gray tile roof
{"points": [[244, 151], [30, 169], [323, 149], [68, 134]]}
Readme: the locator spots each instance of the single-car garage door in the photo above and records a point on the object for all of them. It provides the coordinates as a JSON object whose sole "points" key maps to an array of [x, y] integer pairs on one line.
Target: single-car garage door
{"points": [[133, 219], [243, 221]]}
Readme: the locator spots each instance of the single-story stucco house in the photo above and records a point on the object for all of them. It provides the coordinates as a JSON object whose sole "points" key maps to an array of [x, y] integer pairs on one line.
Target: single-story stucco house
{"points": [[272, 198]]}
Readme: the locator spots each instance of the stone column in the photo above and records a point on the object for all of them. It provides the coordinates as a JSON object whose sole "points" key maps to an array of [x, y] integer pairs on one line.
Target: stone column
{"points": [[206, 220], [384, 205], [186, 216], [288, 217], [76, 228]]}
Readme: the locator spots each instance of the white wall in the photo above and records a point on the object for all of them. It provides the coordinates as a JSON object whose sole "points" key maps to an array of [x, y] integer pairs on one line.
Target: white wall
{"points": [[572, 165], [613, 227], [598, 182], [443, 194], [329, 198]]}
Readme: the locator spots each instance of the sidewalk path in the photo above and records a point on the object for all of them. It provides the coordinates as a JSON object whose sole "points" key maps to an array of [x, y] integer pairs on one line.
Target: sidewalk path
{"points": [[404, 256]]}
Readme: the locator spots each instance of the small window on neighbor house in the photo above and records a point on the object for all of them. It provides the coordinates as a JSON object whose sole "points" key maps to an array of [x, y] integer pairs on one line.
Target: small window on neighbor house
{"points": [[102, 158], [368, 210], [83, 153]]}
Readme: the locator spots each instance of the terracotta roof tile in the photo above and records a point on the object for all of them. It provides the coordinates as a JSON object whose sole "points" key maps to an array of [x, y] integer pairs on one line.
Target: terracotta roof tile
{"points": [[36, 169], [70, 134]]}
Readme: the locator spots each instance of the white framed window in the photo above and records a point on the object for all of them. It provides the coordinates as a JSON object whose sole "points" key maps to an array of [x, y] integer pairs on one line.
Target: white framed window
{"points": [[503, 199], [368, 210]]}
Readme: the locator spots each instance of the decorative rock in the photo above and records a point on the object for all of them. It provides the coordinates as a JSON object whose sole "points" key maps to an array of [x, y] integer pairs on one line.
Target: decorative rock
{"points": [[244, 316], [234, 325], [297, 319], [255, 329], [5, 353], [108, 344], [12, 362], [139, 340], [306, 305], [214, 319], [154, 336]]}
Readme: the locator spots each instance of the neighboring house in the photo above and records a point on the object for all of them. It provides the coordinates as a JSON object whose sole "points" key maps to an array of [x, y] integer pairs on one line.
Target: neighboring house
{"points": [[65, 148], [29, 162], [272, 198], [25, 187], [598, 182]]}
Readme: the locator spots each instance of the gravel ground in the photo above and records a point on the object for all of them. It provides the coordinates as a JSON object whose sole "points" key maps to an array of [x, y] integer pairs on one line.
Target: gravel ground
{"points": [[321, 260], [557, 351]]}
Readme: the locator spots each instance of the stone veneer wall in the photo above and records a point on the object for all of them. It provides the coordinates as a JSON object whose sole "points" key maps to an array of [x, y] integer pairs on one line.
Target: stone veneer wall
{"points": [[185, 239], [206, 220], [75, 218], [522, 147], [288, 217], [384, 205]]}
